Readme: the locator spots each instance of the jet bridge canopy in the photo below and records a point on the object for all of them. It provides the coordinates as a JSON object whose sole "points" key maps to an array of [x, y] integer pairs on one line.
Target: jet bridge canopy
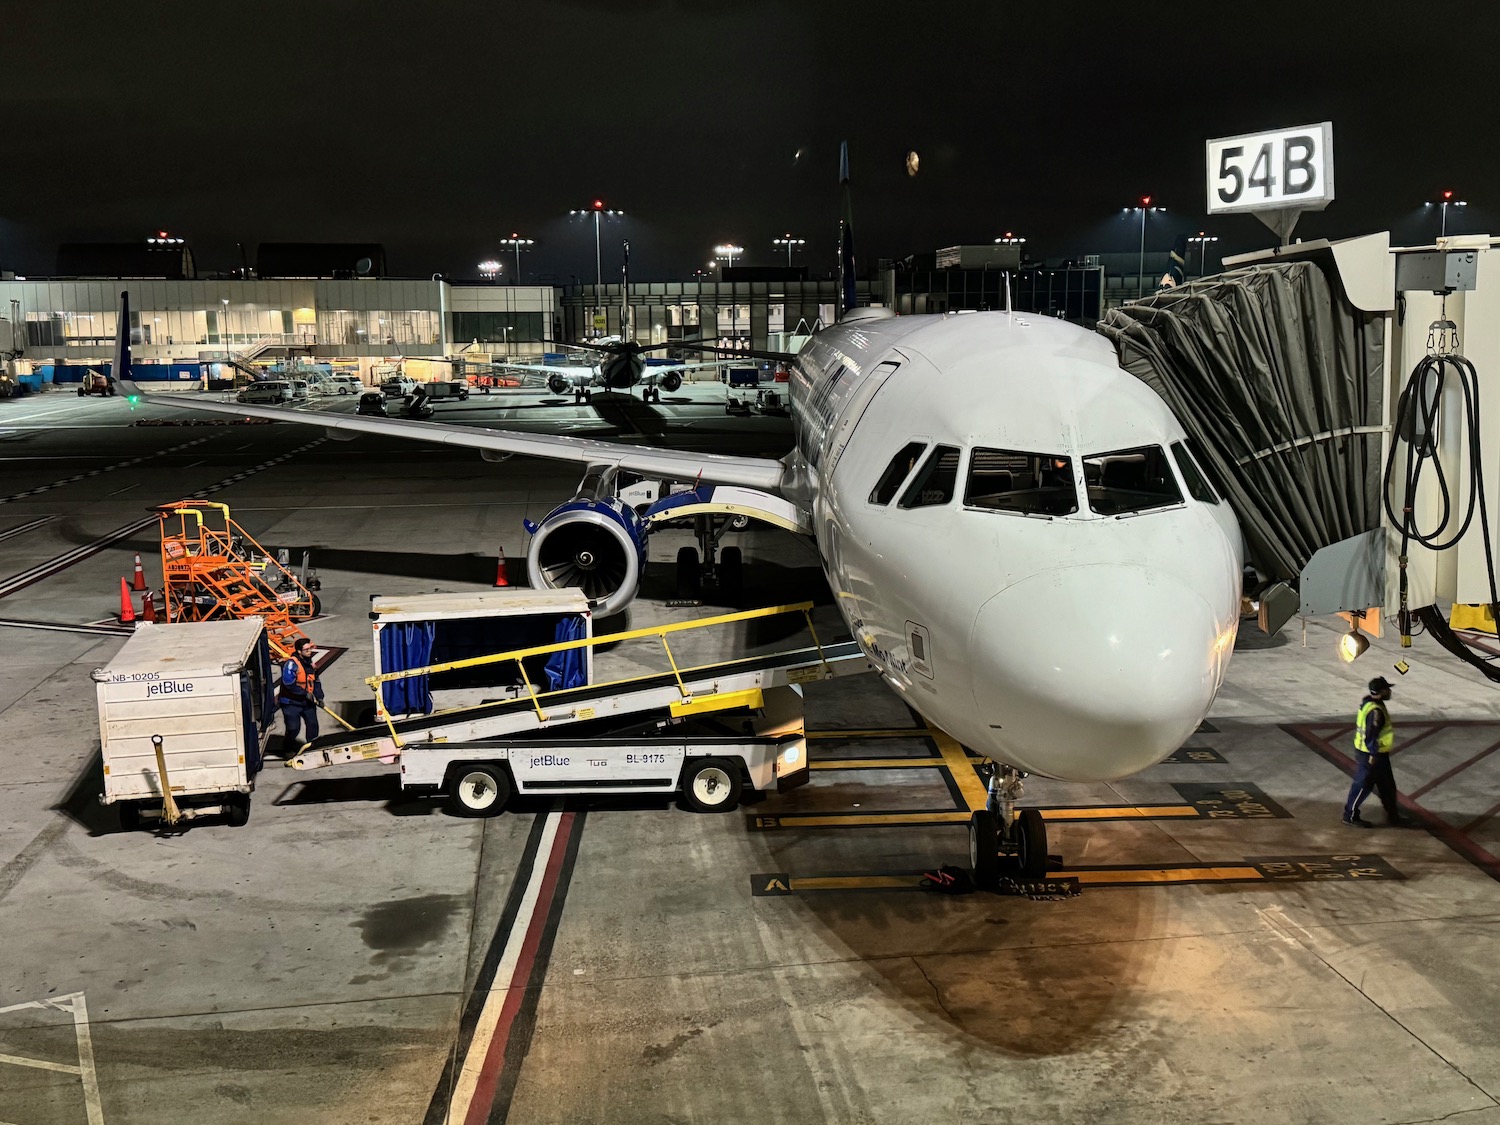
{"points": [[1278, 377]]}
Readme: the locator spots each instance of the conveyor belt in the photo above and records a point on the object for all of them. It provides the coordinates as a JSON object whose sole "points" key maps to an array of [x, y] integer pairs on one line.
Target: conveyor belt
{"points": [[573, 705]]}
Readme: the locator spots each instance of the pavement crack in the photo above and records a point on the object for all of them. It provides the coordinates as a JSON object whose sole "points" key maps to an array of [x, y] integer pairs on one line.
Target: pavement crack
{"points": [[937, 993]]}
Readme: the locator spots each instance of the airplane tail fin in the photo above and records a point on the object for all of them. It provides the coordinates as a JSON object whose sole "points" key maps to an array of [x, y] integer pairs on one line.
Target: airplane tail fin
{"points": [[846, 234], [119, 371]]}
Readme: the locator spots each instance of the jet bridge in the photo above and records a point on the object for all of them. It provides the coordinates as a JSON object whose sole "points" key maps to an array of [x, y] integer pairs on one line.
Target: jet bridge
{"points": [[645, 733], [1306, 374]]}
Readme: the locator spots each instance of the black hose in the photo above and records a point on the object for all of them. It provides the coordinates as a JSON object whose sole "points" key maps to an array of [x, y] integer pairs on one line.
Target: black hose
{"points": [[1417, 408]]}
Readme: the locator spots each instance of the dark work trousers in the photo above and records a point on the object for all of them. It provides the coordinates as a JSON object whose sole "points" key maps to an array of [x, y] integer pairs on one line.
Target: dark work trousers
{"points": [[1372, 771], [294, 715]]}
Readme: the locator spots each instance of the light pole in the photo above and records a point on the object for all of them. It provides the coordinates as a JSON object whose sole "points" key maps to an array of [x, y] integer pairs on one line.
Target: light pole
{"points": [[505, 331], [725, 252], [597, 209], [1145, 208], [489, 269], [790, 243], [1446, 202], [1008, 239], [516, 242], [1203, 240]]}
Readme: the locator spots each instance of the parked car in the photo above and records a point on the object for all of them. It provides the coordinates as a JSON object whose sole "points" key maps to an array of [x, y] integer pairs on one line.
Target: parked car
{"points": [[371, 402], [398, 386], [344, 384], [300, 390], [269, 391]]}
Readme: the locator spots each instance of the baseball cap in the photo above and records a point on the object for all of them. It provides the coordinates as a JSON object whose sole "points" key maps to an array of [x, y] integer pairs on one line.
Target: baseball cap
{"points": [[1380, 683]]}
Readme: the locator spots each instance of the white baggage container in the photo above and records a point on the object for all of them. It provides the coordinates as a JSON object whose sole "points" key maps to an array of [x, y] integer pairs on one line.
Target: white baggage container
{"points": [[205, 690]]}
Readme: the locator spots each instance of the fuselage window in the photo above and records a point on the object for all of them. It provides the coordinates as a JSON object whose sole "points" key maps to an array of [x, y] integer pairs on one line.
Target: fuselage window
{"points": [[897, 471], [1130, 480], [1197, 484], [936, 480], [1005, 480]]}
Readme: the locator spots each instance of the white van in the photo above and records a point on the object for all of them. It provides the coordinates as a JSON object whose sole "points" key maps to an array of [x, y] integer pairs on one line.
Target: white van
{"points": [[266, 391], [343, 385]]}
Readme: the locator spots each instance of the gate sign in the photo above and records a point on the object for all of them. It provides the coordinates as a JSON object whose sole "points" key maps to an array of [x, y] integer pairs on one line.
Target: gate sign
{"points": [[1285, 169]]}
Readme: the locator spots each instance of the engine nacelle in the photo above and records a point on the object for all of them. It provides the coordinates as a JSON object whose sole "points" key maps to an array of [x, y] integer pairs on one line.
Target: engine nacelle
{"points": [[671, 382], [597, 545]]}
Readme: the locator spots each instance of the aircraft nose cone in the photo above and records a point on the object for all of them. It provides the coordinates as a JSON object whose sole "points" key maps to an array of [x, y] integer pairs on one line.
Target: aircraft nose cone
{"points": [[1094, 672]]}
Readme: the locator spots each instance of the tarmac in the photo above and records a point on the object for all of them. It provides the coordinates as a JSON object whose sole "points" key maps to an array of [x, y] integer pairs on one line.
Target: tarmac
{"points": [[1212, 944]]}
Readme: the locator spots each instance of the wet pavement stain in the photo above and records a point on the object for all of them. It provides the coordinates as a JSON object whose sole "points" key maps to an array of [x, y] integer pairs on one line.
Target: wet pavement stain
{"points": [[405, 925]]}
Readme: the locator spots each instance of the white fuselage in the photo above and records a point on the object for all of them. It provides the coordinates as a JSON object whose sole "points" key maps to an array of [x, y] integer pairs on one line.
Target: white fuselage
{"points": [[1077, 645]]}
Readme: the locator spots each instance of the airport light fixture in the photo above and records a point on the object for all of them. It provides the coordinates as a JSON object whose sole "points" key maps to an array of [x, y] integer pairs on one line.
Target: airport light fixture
{"points": [[725, 253], [1352, 644], [1446, 202], [489, 269], [790, 243], [517, 243], [1203, 240], [598, 211], [1009, 239], [1144, 207]]}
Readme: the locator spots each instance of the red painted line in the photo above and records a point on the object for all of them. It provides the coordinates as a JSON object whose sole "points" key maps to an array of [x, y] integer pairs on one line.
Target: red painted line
{"points": [[489, 1077], [1428, 733], [1435, 782], [1480, 819]]}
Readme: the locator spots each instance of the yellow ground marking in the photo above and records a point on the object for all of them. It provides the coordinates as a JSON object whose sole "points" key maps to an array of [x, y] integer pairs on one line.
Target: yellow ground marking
{"points": [[1168, 875], [883, 732], [1123, 812], [880, 764], [961, 766], [895, 819], [854, 882]]}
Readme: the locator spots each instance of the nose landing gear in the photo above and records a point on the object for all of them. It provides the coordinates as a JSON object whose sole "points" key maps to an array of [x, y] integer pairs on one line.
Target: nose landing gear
{"points": [[1004, 840]]}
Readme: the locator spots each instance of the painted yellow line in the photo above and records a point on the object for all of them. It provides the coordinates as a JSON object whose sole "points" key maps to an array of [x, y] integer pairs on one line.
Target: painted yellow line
{"points": [[1168, 875], [879, 764], [855, 882], [885, 732], [870, 820], [961, 766], [1123, 812]]}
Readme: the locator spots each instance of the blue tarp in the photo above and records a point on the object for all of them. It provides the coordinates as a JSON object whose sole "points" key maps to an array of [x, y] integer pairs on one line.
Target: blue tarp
{"points": [[568, 669], [403, 645]]}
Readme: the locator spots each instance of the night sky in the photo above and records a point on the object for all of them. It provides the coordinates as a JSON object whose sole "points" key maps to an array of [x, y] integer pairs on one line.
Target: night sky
{"points": [[438, 128]]}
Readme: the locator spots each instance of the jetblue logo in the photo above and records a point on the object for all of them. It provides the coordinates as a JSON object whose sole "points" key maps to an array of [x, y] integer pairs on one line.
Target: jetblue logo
{"points": [[548, 760], [168, 687]]}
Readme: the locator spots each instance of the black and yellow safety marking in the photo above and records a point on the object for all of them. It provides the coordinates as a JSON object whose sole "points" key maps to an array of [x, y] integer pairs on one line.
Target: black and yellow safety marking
{"points": [[876, 763], [1260, 869], [913, 818], [881, 732], [1236, 801], [1196, 756]]}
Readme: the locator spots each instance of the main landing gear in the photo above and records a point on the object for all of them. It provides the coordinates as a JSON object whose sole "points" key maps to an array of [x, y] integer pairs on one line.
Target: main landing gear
{"points": [[707, 563], [1004, 840]]}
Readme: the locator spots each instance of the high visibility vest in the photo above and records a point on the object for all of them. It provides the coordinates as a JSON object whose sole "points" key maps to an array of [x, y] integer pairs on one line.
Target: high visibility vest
{"points": [[1387, 735], [301, 685]]}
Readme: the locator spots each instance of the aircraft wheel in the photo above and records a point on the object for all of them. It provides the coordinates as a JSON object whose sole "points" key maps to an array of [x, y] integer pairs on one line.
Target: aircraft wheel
{"points": [[731, 570], [984, 848], [478, 790], [689, 572], [1030, 834], [711, 785], [237, 809]]}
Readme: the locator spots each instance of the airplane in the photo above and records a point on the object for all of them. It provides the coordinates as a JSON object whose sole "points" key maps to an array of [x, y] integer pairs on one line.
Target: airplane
{"points": [[1013, 526]]}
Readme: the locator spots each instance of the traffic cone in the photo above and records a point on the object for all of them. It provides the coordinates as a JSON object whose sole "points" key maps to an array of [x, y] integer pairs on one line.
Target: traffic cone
{"points": [[127, 610], [138, 583], [501, 578], [148, 608]]}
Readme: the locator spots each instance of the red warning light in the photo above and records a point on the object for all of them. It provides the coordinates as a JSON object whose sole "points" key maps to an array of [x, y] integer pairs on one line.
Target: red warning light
{"points": [[598, 205], [1145, 201], [1447, 195]]}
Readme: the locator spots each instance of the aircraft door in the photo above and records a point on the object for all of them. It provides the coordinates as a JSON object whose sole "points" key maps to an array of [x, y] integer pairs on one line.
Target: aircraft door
{"points": [[853, 409]]}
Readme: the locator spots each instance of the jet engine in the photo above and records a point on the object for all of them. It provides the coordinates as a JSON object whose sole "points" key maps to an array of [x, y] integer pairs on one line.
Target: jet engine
{"points": [[595, 542], [671, 382]]}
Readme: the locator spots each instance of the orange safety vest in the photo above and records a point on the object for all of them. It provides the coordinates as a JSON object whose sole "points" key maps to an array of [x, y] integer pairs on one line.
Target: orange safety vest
{"points": [[304, 682]]}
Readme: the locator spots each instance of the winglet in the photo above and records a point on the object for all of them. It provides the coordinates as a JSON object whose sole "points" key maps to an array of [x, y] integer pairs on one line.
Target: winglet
{"points": [[119, 371]]}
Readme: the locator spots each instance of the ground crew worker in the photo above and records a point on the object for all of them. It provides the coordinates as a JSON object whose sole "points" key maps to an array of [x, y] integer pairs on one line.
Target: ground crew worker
{"points": [[1373, 738], [301, 692]]}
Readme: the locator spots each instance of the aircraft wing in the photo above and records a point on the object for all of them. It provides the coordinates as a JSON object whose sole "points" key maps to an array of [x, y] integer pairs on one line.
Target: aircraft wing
{"points": [[577, 369], [683, 465]]}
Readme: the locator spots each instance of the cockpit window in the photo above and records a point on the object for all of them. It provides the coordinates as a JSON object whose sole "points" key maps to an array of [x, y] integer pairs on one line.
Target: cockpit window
{"points": [[935, 481], [1004, 480], [1197, 484], [1130, 480], [897, 471]]}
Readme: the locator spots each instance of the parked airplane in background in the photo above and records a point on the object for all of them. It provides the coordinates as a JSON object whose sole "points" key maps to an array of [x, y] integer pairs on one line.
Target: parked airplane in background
{"points": [[1012, 525]]}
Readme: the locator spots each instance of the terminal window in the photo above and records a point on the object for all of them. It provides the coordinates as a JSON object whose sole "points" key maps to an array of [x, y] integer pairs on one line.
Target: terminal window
{"points": [[1032, 484]]}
